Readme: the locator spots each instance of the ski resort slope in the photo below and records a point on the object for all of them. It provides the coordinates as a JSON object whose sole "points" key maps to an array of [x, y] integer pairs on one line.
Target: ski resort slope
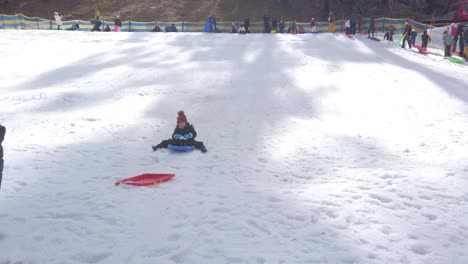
{"points": [[321, 149]]}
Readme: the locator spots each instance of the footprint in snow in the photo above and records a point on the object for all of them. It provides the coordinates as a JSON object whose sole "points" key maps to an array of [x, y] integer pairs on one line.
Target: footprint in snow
{"points": [[419, 249]]}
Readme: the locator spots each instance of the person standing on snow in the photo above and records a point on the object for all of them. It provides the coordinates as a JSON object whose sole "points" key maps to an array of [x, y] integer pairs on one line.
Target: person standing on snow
{"points": [[313, 26], [331, 22], [2, 137], [281, 26], [454, 30], [117, 24], [247, 24], [447, 37], [266, 23], [274, 25], [425, 38], [58, 20], [184, 135], [414, 35], [407, 34], [465, 41], [347, 26], [460, 34], [353, 23], [371, 28]]}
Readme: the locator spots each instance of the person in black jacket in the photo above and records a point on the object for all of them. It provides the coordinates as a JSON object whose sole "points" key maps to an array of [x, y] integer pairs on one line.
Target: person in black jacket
{"points": [[2, 136], [407, 34], [117, 24], [184, 135], [425, 38], [461, 35], [247, 24], [274, 25]]}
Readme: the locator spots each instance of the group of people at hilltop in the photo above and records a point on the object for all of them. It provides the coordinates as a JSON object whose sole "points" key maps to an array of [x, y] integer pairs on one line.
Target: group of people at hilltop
{"points": [[453, 35], [98, 25]]}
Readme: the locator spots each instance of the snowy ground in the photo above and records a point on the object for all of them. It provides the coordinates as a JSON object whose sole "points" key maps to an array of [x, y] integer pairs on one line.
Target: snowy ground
{"points": [[321, 149]]}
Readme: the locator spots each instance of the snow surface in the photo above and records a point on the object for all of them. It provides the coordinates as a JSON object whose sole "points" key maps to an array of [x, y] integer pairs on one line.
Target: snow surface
{"points": [[321, 149]]}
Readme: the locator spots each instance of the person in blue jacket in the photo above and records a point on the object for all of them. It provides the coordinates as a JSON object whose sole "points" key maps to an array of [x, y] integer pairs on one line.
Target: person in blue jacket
{"points": [[414, 35], [184, 135], [171, 28], [281, 25], [75, 26], [97, 24]]}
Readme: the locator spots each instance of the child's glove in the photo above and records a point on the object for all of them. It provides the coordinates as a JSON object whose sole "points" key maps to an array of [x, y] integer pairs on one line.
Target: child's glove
{"points": [[178, 136], [188, 136]]}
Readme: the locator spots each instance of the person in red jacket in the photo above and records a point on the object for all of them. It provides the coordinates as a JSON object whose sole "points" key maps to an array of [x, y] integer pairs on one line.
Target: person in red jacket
{"points": [[313, 25], [184, 135]]}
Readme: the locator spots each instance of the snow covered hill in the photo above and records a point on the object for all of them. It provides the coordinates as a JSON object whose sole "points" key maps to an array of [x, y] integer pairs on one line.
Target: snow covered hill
{"points": [[321, 149]]}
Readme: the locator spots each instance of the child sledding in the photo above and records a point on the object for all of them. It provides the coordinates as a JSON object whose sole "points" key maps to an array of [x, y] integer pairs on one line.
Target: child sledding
{"points": [[184, 135]]}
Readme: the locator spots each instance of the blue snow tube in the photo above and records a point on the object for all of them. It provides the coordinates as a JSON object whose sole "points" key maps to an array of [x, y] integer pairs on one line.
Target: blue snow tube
{"points": [[180, 148]]}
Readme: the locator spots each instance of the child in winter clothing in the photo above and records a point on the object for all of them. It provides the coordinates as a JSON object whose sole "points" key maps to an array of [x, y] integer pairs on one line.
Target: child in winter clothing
{"points": [[425, 38], [117, 24], [447, 43], [234, 28], [390, 33], [242, 30], [75, 26], [171, 28], [301, 29], [281, 26], [58, 20], [313, 25], [156, 28], [2, 136], [348, 26], [293, 28], [184, 135], [454, 32], [107, 29], [97, 24]]}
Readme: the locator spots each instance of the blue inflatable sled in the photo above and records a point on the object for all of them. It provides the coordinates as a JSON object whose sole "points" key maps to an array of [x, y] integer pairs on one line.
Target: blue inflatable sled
{"points": [[180, 148]]}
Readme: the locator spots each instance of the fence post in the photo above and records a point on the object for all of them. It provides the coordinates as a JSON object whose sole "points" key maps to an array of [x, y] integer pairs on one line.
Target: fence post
{"points": [[50, 24], [129, 26], [183, 24], [3, 23], [37, 22], [21, 21]]}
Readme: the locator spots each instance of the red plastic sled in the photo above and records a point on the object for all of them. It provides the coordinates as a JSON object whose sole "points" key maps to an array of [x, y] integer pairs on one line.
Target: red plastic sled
{"points": [[421, 49], [146, 179]]}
